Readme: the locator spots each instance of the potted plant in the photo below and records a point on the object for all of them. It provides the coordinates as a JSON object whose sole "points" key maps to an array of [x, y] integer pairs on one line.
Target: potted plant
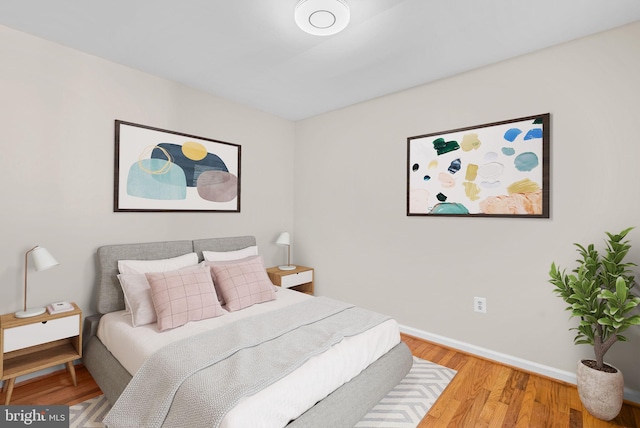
{"points": [[598, 292]]}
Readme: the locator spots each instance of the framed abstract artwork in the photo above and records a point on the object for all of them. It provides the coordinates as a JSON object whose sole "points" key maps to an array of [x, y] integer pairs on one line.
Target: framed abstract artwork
{"points": [[160, 170], [498, 169]]}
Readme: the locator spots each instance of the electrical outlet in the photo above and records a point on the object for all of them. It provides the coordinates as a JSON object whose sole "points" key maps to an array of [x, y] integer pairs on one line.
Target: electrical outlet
{"points": [[480, 304]]}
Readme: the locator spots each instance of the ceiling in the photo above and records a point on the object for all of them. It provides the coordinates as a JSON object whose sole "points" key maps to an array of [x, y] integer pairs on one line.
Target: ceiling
{"points": [[251, 51]]}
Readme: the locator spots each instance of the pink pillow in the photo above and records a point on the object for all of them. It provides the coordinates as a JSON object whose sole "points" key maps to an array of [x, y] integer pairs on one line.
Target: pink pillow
{"points": [[137, 296], [183, 296], [213, 275], [242, 283]]}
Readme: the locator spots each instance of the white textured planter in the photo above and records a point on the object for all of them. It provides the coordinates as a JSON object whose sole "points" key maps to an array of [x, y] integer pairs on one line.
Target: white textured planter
{"points": [[601, 393]]}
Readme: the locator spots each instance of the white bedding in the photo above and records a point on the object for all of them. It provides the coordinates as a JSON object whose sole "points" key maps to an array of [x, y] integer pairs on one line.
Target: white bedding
{"points": [[282, 401]]}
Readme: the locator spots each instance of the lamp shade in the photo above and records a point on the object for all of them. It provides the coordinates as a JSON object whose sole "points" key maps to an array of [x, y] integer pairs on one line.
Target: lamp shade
{"points": [[42, 259], [322, 17], [284, 239]]}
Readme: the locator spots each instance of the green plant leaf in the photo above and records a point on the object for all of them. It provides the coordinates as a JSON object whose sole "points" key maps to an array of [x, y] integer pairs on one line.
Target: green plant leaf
{"points": [[634, 320], [606, 294], [621, 289]]}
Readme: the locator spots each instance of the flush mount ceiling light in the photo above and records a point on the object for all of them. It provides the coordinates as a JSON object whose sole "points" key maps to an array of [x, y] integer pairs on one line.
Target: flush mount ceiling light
{"points": [[322, 17]]}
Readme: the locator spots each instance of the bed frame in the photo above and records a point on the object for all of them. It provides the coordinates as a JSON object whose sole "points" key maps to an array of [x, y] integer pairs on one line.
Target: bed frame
{"points": [[342, 408]]}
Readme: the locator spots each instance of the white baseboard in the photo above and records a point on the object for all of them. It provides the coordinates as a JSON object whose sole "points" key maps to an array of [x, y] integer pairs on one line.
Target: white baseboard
{"points": [[552, 372]]}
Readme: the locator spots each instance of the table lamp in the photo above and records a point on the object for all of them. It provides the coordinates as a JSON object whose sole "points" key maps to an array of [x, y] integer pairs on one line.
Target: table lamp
{"points": [[285, 239], [42, 259]]}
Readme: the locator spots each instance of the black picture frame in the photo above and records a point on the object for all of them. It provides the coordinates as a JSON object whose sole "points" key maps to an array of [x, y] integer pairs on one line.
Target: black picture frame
{"points": [[157, 170], [498, 169]]}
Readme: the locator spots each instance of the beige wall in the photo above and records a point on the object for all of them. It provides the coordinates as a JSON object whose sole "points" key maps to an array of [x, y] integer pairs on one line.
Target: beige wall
{"points": [[57, 112], [350, 186], [346, 190]]}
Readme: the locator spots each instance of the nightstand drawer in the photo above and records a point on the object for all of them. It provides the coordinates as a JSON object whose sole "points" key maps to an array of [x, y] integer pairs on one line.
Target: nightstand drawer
{"points": [[292, 280], [28, 335]]}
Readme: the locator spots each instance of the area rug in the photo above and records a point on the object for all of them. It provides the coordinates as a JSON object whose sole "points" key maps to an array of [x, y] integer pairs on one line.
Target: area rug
{"points": [[406, 404], [403, 407], [89, 414]]}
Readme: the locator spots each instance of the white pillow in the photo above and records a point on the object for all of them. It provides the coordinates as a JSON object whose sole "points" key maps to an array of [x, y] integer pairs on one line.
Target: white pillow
{"points": [[164, 265], [137, 296], [221, 256]]}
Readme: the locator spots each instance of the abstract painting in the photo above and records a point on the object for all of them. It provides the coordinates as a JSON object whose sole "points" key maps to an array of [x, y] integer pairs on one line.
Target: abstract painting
{"points": [[160, 170], [499, 169]]}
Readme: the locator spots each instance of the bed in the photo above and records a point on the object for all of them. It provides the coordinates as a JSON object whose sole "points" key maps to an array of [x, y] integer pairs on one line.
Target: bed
{"points": [[113, 364]]}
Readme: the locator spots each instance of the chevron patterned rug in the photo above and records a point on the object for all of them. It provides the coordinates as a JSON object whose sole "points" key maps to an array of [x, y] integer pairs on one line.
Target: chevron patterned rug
{"points": [[406, 404], [402, 407], [89, 414]]}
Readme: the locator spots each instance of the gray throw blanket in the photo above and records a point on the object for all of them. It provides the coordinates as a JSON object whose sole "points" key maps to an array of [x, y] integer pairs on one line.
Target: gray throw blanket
{"points": [[194, 382]]}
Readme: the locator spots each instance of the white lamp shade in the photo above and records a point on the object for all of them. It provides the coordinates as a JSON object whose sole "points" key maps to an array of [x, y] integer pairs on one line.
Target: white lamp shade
{"points": [[284, 239], [322, 17], [42, 259]]}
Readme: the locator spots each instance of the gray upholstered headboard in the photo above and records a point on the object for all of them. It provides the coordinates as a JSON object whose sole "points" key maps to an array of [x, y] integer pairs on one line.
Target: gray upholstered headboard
{"points": [[110, 297]]}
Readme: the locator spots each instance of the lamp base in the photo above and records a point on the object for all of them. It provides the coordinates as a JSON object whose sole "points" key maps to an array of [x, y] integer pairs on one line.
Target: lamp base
{"points": [[31, 312], [287, 267]]}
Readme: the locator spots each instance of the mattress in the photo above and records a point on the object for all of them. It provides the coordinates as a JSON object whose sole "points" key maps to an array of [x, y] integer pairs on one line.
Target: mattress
{"points": [[285, 399]]}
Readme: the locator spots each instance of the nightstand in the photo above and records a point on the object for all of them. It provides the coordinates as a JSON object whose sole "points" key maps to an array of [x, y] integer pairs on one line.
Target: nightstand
{"points": [[36, 343], [299, 279]]}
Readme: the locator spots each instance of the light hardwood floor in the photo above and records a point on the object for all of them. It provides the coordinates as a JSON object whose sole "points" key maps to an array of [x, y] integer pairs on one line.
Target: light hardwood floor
{"points": [[55, 388], [482, 394], [487, 394]]}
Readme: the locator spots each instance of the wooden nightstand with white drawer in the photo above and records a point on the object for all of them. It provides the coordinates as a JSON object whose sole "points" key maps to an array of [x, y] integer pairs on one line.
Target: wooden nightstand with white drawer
{"points": [[299, 279], [36, 343]]}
